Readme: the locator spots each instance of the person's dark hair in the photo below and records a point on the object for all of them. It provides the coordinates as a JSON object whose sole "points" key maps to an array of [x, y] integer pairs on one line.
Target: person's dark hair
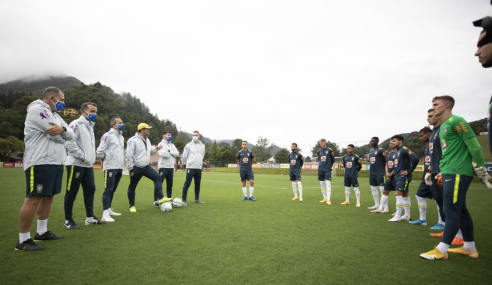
{"points": [[425, 130], [398, 137], [294, 144], [430, 110], [51, 91], [85, 104], [375, 138], [166, 132], [445, 98], [351, 145]]}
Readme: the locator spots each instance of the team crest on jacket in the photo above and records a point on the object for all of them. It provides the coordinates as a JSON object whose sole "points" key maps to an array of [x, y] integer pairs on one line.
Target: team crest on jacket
{"points": [[39, 188], [352, 159], [445, 130], [77, 175], [248, 154]]}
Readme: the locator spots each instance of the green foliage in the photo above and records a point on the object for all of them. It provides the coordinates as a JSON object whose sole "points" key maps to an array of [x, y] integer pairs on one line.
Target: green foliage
{"points": [[219, 154], [9, 145], [331, 145], [479, 126], [36, 86], [263, 149], [237, 144], [282, 156]]}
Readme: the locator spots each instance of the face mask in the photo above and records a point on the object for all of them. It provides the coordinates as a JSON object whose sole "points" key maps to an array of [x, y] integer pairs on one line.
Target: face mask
{"points": [[120, 127], [58, 105], [195, 139], [91, 117], [169, 138]]}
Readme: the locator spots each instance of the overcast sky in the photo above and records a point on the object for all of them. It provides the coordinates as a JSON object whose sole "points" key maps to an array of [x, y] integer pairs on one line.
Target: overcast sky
{"points": [[290, 71]]}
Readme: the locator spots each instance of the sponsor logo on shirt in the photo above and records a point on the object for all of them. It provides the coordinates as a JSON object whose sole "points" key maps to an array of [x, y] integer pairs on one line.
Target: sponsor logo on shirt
{"points": [[323, 158], [431, 146], [390, 163], [373, 160], [293, 161], [245, 160], [349, 164], [396, 161], [427, 159], [443, 144]]}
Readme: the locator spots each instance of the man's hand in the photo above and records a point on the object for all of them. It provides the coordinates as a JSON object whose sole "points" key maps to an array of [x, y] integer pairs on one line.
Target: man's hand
{"points": [[404, 172], [55, 129], [482, 174], [428, 178], [158, 147]]}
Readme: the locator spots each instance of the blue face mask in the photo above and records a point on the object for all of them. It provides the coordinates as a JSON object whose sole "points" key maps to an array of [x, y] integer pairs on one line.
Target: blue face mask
{"points": [[169, 138], [120, 127], [195, 139], [58, 105], [91, 117]]}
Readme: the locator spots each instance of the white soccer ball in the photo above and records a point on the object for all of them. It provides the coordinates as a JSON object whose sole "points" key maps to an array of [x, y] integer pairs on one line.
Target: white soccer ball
{"points": [[166, 207], [177, 202]]}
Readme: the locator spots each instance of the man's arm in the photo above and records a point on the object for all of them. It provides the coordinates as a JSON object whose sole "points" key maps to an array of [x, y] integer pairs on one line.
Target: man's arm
{"points": [[173, 150], [101, 150], [72, 146], [359, 164], [332, 157], [164, 151], [414, 160], [184, 158], [130, 151], [301, 162]]}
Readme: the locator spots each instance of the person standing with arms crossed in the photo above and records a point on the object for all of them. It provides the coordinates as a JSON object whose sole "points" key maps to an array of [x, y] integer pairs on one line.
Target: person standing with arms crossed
{"points": [[45, 134], [111, 150], [193, 155]]}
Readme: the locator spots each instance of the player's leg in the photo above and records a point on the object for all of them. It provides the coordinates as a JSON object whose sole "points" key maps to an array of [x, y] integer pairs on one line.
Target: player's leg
{"points": [[251, 186], [294, 185], [322, 183], [438, 196], [406, 204], [150, 173], [328, 188], [89, 188], [109, 182], [424, 192], [74, 174], [355, 183], [169, 182], [53, 180], [198, 179], [299, 185], [135, 175], [373, 183], [243, 182], [347, 182], [400, 186], [186, 186], [118, 174]]}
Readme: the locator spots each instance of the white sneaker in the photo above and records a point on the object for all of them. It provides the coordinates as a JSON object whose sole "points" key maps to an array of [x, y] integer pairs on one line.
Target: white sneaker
{"points": [[406, 217], [373, 207], [107, 218], [386, 210], [394, 219], [113, 213]]}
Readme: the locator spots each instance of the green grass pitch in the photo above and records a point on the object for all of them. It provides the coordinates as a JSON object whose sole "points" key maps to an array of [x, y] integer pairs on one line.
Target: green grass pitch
{"points": [[228, 241]]}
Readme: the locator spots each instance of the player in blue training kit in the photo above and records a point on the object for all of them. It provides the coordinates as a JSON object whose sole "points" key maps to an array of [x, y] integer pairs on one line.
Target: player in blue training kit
{"points": [[389, 185], [296, 161], [377, 158], [352, 166], [326, 160], [405, 163], [424, 190], [245, 159]]}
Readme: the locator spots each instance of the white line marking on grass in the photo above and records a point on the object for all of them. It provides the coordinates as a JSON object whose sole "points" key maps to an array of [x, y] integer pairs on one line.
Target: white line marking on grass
{"points": [[236, 183]]}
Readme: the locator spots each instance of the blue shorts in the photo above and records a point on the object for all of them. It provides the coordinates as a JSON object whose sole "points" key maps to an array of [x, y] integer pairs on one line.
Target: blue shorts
{"points": [[246, 175], [402, 185], [295, 176], [376, 180], [351, 181], [425, 191], [324, 175], [43, 180], [390, 184]]}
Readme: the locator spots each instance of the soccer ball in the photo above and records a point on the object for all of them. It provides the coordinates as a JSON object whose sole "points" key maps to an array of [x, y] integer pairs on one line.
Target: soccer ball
{"points": [[166, 207], [177, 202]]}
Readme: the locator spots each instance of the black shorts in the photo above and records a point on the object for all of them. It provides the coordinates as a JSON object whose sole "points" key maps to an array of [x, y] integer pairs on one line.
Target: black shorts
{"points": [[402, 185], [295, 176], [390, 185], [376, 180], [43, 180], [246, 175], [324, 175], [351, 181], [425, 191]]}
